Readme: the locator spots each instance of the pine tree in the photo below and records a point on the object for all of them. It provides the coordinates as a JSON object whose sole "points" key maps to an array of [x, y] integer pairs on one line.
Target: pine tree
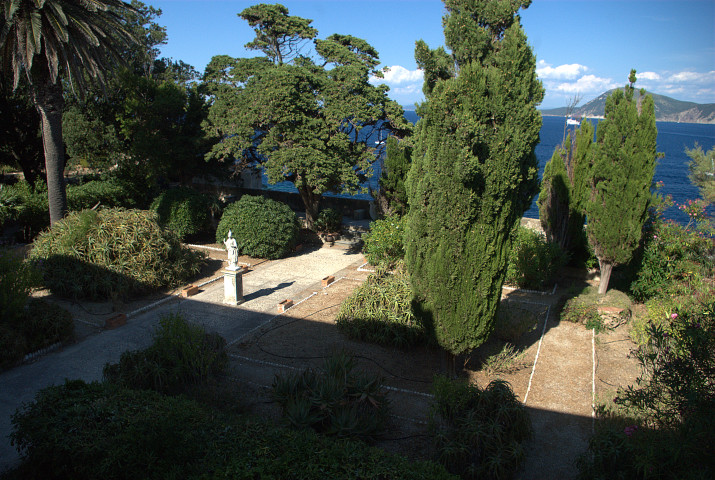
{"points": [[563, 192], [621, 177], [473, 173]]}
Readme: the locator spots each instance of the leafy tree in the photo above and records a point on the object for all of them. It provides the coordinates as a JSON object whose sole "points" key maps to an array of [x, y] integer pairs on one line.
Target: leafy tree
{"points": [[43, 38], [301, 120], [161, 121], [563, 192], [398, 158], [621, 176], [149, 117], [474, 170], [702, 171]]}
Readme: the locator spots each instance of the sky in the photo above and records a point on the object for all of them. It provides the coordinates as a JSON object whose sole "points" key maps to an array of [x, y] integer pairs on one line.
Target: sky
{"points": [[582, 47]]}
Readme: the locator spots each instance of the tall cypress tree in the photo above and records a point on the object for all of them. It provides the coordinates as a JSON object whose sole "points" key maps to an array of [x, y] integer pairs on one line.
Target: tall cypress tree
{"points": [[392, 194], [474, 171], [620, 179], [563, 192]]}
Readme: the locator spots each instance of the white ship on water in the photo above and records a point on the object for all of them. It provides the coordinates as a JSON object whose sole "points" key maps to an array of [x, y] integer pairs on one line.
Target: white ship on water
{"points": [[572, 121]]}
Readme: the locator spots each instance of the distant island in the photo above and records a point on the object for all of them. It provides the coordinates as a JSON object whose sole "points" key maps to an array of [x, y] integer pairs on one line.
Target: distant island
{"points": [[667, 109]]}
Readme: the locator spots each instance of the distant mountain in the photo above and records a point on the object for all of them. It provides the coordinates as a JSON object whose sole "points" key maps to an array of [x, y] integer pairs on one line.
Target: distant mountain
{"points": [[666, 109]]}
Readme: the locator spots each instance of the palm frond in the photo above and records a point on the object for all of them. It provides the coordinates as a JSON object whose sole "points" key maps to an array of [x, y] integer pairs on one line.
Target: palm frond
{"points": [[74, 36]]}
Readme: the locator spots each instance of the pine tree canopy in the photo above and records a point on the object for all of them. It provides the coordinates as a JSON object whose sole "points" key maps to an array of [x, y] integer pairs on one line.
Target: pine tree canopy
{"points": [[300, 119], [474, 171]]}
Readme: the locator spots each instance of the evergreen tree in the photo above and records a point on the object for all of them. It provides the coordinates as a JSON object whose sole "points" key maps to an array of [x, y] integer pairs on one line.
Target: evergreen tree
{"points": [[300, 119], [620, 179], [563, 188], [701, 171], [392, 194], [474, 171]]}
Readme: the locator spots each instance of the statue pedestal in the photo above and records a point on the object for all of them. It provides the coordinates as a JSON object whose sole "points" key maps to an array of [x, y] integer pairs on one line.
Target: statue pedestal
{"points": [[232, 286]]}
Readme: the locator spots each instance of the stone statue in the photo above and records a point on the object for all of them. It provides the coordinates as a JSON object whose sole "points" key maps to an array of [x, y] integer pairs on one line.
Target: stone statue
{"points": [[232, 249]]}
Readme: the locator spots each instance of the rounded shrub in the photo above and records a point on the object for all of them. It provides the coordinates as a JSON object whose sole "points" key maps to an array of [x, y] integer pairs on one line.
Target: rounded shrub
{"points": [[262, 227], [328, 221], [384, 241], [111, 433], [533, 261], [111, 253], [184, 211]]}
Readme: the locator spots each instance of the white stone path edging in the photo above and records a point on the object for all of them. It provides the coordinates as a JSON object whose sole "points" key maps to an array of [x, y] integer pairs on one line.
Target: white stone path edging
{"points": [[538, 350], [593, 381], [362, 269]]}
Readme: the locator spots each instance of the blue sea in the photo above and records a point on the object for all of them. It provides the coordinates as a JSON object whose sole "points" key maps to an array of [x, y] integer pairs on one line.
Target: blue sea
{"points": [[672, 169]]}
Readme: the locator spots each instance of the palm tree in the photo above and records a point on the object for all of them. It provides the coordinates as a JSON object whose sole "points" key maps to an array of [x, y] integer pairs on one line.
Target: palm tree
{"points": [[49, 38]]}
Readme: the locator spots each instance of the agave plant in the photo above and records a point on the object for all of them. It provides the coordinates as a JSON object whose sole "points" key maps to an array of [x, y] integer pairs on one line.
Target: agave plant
{"points": [[335, 400]]}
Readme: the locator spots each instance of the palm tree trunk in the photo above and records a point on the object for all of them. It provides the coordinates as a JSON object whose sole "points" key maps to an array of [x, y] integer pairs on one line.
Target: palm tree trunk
{"points": [[49, 103]]}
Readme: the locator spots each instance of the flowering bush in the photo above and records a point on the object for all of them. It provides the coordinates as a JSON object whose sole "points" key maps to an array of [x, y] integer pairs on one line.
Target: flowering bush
{"points": [[662, 312], [695, 209], [664, 425], [673, 259]]}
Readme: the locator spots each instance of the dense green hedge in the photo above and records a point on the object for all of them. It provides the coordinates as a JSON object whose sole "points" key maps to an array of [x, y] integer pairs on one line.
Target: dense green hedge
{"points": [[111, 252], [533, 261], [99, 430], [262, 227], [106, 193], [29, 207], [384, 243], [328, 221], [185, 212]]}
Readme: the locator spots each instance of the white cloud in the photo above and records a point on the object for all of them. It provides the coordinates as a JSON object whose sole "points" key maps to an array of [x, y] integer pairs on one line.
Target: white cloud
{"points": [[408, 90], [671, 89], [648, 76], [399, 75], [587, 84], [693, 77], [562, 72]]}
